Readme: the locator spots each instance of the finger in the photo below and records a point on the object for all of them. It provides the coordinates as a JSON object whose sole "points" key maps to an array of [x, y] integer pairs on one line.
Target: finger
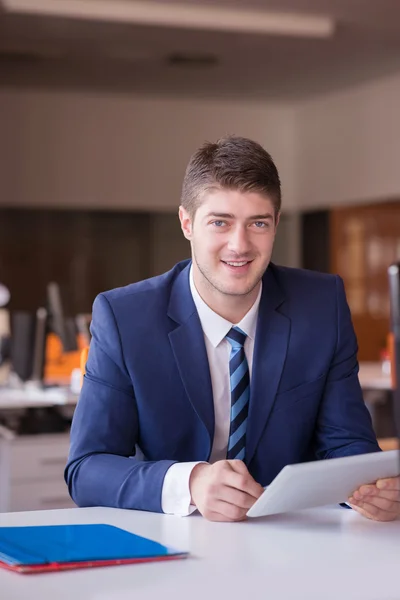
{"points": [[373, 512], [378, 502], [392, 483], [389, 484], [218, 517], [365, 495], [363, 512], [230, 511], [366, 490], [236, 497], [243, 482]]}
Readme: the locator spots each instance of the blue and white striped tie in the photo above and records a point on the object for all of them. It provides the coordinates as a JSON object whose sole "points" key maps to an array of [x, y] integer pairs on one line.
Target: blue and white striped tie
{"points": [[240, 394]]}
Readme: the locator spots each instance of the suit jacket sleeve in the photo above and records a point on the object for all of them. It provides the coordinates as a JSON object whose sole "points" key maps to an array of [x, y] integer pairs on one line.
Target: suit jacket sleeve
{"points": [[101, 468], [344, 424]]}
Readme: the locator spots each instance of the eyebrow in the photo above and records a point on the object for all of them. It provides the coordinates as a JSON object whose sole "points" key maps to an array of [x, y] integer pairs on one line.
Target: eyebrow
{"points": [[230, 216]]}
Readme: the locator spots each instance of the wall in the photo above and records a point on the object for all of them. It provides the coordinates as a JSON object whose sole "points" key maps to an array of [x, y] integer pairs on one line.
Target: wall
{"points": [[77, 149], [169, 245], [349, 146]]}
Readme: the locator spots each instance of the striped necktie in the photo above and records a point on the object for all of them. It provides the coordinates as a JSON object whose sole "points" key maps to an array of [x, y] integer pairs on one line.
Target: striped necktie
{"points": [[240, 393]]}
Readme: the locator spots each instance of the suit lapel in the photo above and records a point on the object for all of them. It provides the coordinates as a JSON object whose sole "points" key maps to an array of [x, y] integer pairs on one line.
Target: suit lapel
{"points": [[188, 347], [271, 343]]}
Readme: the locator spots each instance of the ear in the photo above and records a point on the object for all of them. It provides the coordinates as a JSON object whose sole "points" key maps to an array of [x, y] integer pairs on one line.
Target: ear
{"points": [[186, 223]]}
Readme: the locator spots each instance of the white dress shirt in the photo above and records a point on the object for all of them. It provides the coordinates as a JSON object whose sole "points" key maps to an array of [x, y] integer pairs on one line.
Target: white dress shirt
{"points": [[175, 498]]}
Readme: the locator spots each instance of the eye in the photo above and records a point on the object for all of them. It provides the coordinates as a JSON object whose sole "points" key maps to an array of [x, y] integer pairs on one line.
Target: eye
{"points": [[218, 223], [261, 224]]}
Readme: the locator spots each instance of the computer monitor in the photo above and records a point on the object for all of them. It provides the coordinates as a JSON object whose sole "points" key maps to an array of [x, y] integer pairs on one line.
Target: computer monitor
{"points": [[65, 328], [394, 292], [28, 344], [29, 333]]}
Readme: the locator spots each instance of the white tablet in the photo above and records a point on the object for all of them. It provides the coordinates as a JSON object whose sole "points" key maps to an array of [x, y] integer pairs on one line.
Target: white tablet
{"points": [[323, 482]]}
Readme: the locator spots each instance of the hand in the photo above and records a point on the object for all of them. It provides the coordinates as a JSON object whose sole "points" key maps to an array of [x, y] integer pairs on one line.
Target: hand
{"points": [[379, 501], [223, 491]]}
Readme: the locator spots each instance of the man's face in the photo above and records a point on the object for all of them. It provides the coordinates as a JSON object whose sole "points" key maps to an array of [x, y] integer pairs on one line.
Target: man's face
{"points": [[232, 236]]}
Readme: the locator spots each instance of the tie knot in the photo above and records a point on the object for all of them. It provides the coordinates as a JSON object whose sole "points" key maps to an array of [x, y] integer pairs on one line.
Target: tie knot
{"points": [[236, 337]]}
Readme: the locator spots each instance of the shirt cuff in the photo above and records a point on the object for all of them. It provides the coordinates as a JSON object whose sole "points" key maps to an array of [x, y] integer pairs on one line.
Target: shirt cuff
{"points": [[175, 496]]}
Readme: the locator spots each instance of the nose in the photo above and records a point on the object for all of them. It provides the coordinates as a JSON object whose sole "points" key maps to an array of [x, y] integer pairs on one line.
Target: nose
{"points": [[239, 241]]}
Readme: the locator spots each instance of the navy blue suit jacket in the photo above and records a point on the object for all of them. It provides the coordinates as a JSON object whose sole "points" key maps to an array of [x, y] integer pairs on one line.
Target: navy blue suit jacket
{"points": [[146, 400]]}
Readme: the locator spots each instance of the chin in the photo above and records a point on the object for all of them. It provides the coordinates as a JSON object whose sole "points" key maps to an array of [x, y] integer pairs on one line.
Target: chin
{"points": [[236, 290]]}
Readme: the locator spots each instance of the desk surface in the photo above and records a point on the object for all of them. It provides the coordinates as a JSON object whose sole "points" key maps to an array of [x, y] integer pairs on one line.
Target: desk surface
{"points": [[372, 378], [330, 553], [35, 397]]}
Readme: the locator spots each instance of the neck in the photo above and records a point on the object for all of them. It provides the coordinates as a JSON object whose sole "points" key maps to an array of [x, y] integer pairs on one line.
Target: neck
{"points": [[228, 306]]}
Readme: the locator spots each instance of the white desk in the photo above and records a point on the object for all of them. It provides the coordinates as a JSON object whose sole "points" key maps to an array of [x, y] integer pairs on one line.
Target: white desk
{"points": [[31, 466], [330, 553], [372, 378], [35, 398]]}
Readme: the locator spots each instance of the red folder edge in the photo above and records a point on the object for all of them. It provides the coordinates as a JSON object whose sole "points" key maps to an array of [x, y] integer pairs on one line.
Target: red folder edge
{"points": [[52, 567]]}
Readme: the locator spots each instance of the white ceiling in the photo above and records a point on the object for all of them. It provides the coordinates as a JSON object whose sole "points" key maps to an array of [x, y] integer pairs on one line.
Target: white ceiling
{"points": [[71, 52]]}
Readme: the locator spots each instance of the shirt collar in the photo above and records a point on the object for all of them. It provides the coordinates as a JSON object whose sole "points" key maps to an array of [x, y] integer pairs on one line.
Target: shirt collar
{"points": [[216, 327]]}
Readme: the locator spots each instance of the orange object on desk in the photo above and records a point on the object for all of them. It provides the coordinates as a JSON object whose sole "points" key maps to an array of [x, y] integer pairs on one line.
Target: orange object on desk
{"points": [[389, 444], [84, 357], [59, 364]]}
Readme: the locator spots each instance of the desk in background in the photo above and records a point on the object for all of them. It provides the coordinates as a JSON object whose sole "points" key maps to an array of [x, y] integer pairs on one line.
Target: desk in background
{"points": [[329, 553], [372, 377], [32, 466], [378, 396], [14, 398]]}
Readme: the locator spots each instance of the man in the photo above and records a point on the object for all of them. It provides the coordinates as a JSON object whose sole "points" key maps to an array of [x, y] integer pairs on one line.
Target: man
{"points": [[223, 370]]}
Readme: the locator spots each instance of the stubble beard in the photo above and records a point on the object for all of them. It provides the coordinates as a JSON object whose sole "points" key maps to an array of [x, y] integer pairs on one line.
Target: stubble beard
{"points": [[213, 285]]}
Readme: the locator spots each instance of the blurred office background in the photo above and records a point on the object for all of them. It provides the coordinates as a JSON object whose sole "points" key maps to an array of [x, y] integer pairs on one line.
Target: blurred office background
{"points": [[103, 102]]}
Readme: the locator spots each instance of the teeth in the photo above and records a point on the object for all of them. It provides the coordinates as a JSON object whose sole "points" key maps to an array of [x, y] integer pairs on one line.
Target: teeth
{"points": [[237, 264]]}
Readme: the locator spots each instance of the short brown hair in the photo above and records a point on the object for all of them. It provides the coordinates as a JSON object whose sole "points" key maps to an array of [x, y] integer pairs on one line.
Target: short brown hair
{"points": [[233, 163]]}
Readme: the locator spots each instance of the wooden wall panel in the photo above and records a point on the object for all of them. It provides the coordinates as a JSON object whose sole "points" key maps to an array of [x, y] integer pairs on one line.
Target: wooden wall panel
{"points": [[364, 241], [86, 252]]}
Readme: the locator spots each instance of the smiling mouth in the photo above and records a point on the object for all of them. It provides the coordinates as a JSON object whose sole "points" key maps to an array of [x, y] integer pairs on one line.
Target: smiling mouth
{"points": [[237, 263]]}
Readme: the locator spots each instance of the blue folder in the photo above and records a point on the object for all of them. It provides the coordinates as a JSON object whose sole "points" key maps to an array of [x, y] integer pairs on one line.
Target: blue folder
{"points": [[72, 546]]}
